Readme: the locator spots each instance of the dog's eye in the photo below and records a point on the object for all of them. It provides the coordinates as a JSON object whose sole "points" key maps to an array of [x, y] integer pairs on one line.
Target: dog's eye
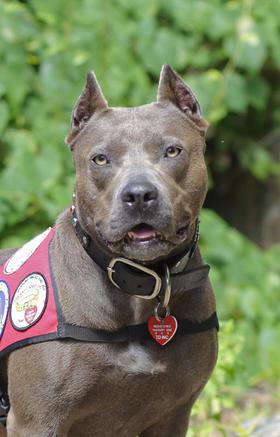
{"points": [[100, 159], [172, 152]]}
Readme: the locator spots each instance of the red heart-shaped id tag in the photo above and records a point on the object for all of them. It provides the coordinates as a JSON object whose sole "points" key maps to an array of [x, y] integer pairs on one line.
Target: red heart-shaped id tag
{"points": [[162, 330]]}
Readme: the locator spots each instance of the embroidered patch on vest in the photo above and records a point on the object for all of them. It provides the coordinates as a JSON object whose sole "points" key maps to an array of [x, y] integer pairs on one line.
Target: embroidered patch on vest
{"points": [[4, 305], [24, 253], [29, 302]]}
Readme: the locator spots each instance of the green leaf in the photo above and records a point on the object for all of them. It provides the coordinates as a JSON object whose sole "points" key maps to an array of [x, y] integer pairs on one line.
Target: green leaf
{"points": [[258, 92], [162, 46], [236, 96], [4, 116], [247, 48]]}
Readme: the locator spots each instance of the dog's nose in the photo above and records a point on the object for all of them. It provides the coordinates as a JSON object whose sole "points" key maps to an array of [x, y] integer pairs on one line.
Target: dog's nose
{"points": [[139, 195]]}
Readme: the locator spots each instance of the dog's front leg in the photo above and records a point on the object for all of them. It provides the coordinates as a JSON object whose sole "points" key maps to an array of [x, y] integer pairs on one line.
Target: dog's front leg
{"points": [[16, 428], [174, 423]]}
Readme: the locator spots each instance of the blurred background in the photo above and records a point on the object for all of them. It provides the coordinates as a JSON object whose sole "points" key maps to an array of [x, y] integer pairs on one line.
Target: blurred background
{"points": [[229, 52]]}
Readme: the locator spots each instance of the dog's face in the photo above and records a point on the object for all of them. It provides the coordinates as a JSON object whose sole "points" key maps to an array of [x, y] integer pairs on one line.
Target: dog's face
{"points": [[141, 176]]}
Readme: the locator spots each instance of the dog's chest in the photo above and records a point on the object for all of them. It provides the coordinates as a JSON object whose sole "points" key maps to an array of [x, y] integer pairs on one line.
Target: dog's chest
{"points": [[136, 381]]}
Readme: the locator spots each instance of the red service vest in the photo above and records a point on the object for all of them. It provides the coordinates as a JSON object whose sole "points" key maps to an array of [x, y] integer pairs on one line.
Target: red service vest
{"points": [[29, 304]]}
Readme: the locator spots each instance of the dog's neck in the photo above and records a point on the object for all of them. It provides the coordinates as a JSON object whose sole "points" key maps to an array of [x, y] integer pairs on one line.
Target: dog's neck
{"points": [[90, 299]]}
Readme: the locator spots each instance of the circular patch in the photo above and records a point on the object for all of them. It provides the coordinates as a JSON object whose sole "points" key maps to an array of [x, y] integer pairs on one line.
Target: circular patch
{"points": [[24, 253], [4, 305], [29, 302]]}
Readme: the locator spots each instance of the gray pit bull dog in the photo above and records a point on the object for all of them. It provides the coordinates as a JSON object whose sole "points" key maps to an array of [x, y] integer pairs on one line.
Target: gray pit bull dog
{"points": [[141, 181]]}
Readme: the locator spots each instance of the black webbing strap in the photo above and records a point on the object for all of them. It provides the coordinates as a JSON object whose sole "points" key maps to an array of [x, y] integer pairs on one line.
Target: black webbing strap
{"points": [[4, 406], [185, 326], [126, 334], [132, 332]]}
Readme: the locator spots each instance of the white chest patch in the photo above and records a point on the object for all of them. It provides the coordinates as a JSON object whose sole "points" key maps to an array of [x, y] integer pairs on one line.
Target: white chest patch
{"points": [[24, 253], [29, 302], [136, 360]]}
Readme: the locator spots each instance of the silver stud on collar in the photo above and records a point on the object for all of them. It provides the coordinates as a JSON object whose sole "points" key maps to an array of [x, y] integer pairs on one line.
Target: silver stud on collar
{"points": [[85, 240], [74, 221]]}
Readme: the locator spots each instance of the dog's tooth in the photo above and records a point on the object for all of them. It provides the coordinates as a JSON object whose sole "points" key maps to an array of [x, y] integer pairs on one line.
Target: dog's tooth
{"points": [[130, 235]]}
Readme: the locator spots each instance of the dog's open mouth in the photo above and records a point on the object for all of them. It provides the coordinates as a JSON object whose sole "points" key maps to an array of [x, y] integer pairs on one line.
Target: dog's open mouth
{"points": [[143, 233], [145, 242]]}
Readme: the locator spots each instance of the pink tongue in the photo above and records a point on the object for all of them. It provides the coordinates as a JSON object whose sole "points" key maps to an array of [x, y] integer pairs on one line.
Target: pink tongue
{"points": [[142, 232]]}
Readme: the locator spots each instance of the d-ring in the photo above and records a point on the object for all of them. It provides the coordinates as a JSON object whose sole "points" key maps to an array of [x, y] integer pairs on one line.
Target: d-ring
{"points": [[165, 309]]}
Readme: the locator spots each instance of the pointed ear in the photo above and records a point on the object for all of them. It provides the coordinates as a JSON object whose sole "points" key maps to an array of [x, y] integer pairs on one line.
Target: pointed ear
{"points": [[173, 89], [90, 101]]}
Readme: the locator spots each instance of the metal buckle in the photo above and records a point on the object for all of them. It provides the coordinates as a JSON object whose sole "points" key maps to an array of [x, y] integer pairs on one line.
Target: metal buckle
{"points": [[150, 272]]}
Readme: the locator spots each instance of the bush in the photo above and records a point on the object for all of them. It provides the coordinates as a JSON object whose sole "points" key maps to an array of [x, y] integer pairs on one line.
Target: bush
{"points": [[247, 285], [223, 387], [228, 51]]}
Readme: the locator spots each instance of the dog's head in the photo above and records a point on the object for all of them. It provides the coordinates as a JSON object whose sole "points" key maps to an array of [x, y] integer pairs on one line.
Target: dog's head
{"points": [[141, 175]]}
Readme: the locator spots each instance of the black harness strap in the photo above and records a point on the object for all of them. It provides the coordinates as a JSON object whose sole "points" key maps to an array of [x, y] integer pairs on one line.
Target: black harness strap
{"points": [[132, 332], [4, 406]]}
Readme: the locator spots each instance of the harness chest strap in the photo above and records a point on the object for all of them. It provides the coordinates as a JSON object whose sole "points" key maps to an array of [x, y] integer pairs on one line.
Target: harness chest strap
{"points": [[133, 332]]}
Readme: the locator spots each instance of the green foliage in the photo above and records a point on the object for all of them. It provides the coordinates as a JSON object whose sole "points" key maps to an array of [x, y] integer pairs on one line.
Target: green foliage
{"points": [[221, 390], [227, 50], [247, 286]]}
